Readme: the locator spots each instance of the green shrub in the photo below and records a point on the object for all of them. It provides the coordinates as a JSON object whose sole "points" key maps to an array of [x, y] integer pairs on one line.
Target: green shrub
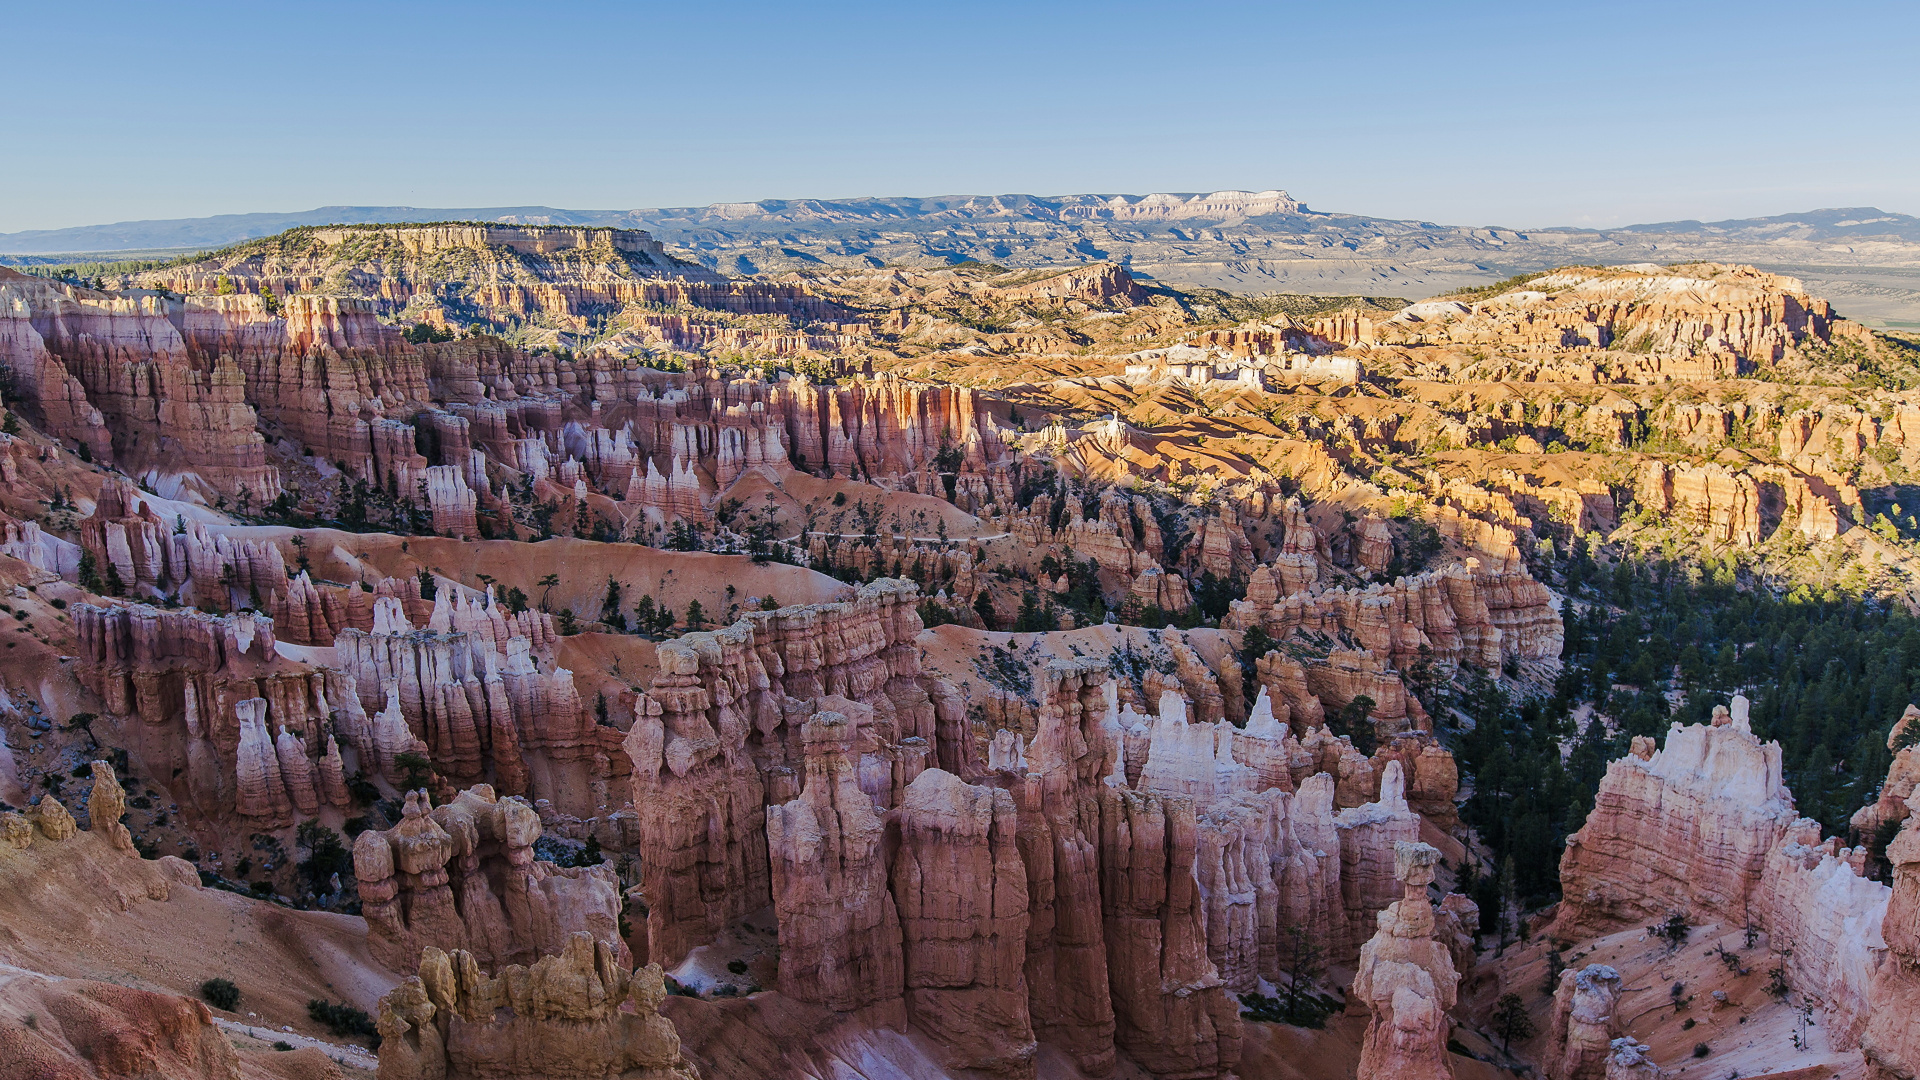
{"points": [[343, 1019], [220, 993]]}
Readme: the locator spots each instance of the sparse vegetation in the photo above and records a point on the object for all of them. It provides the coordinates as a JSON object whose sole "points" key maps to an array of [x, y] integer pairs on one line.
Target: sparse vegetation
{"points": [[220, 993]]}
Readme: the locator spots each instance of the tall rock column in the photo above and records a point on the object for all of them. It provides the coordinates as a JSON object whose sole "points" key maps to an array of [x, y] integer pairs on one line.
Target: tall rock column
{"points": [[1073, 752], [106, 805], [1407, 979], [700, 802], [1892, 1039], [1171, 1009], [1581, 1039], [839, 929], [961, 890], [405, 892]]}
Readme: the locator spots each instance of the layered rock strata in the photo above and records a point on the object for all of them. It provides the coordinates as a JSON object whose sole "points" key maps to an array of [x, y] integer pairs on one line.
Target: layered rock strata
{"points": [[1407, 980], [719, 735], [1464, 613], [961, 891], [839, 928], [580, 1014], [463, 875], [1704, 828], [1580, 1039]]}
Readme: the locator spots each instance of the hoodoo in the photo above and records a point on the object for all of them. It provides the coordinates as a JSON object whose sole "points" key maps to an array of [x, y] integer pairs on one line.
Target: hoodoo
{"points": [[948, 638]]}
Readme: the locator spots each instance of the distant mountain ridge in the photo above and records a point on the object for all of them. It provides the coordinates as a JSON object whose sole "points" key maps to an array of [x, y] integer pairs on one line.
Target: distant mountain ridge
{"points": [[224, 229], [1865, 259], [1831, 224]]}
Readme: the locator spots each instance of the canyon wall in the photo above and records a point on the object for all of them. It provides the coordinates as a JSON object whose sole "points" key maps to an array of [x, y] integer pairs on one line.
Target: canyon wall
{"points": [[1704, 828], [1105, 887]]}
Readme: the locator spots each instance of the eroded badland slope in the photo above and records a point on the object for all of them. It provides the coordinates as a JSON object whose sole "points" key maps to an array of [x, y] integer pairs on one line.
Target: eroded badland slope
{"points": [[588, 664]]}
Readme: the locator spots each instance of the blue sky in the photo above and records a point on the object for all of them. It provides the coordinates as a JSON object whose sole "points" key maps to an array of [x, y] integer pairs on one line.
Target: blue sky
{"points": [[1513, 114]]}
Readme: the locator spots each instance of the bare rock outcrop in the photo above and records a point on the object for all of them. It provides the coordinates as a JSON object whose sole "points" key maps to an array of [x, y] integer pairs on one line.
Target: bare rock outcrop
{"points": [[1068, 761], [719, 734], [1466, 612], [1371, 835], [1721, 808], [577, 1015], [1891, 1040], [1580, 1040], [1171, 1009], [1627, 1060], [961, 890], [106, 804], [839, 927], [79, 1029], [1890, 806], [1407, 980], [463, 875]]}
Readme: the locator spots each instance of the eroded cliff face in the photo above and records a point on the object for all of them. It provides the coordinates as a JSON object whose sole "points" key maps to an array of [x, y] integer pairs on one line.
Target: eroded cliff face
{"points": [[463, 875], [1672, 315], [718, 736], [1891, 1040], [961, 892], [1686, 828], [1704, 828], [1105, 887], [580, 1014]]}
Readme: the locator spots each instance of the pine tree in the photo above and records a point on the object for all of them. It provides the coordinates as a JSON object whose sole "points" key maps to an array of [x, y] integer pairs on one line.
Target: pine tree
{"points": [[1510, 1021], [983, 607]]}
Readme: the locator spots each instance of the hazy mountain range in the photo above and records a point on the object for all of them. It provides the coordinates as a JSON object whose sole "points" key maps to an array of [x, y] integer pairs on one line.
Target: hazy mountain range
{"points": [[1865, 259]]}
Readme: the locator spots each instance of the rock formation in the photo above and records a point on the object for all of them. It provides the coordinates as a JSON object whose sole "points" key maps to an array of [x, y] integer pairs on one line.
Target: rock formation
{"points": [[106, 804], [1580, 1041], [961, 890], [722, 725], [1462, 613], [1406, 979], [1628, 1060], [1722, 806], [1371, 836], [1704, 827], [577, 1015], [1891, 1040], [83, 1028], [839, 928], [463, 875]]}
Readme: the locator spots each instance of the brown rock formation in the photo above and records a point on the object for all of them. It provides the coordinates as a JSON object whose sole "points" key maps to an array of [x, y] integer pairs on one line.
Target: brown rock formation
{"points": [[1891, 1040], [577, 1015], [1580, 1040], [721, 726], [106, 805], [80, 1029], [1722, 807], [497, 899], [1902, 777], [1461, 613], [1060, 834], [839, 928], [961, 890], [1675, 313], [1171, 1009], [1370, 836], [1407, 980]]}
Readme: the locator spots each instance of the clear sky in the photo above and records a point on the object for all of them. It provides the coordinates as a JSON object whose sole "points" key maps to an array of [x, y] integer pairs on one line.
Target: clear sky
{"points": [[1463, 113]]}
